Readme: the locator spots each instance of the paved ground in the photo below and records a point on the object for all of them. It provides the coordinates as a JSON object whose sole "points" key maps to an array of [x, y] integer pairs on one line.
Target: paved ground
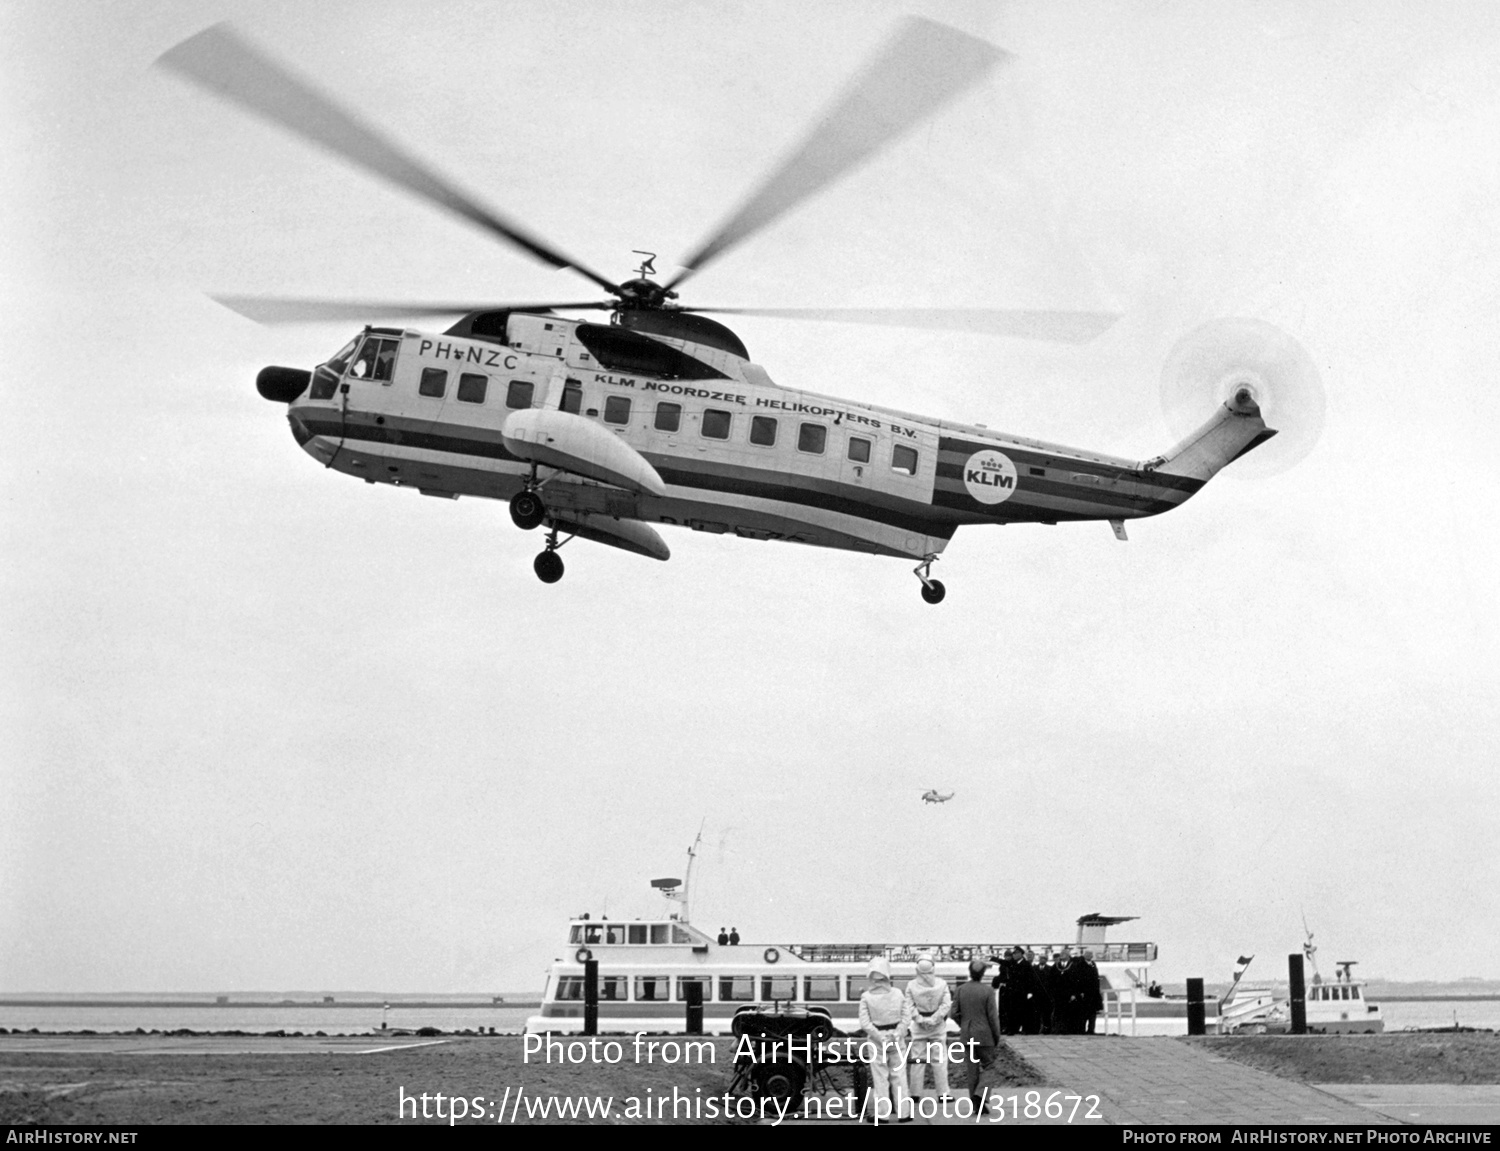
{"points": [[1424, 1102], [1163, 1081]]}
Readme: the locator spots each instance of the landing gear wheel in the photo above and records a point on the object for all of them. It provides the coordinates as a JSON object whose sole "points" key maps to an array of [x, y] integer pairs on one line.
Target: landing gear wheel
{"points": [[527, 510], [548, 567], [933, 591]]}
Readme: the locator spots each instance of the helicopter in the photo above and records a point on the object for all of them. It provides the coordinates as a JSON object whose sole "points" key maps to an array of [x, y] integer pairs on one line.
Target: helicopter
{"points": [[933, 795], [657, 414]]}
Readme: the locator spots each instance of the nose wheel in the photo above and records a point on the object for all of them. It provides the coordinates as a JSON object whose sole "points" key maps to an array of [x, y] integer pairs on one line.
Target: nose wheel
{"points": [[933, 590]]}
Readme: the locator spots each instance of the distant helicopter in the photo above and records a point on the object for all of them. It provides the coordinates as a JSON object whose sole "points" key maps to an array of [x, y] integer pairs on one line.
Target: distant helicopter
{"points": [[936, 796], [659, 416]]}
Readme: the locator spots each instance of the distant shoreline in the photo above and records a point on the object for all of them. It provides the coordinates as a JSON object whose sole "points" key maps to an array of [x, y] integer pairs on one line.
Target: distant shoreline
{"points": [[235, 1004]]}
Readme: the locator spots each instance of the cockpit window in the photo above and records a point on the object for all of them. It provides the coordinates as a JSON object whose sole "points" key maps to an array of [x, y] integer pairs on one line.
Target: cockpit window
{"points": [[341, 361], [376, 359]]}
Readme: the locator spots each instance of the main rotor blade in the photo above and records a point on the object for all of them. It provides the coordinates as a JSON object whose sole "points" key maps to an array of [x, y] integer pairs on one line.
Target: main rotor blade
{"points": [[219, 60], [1059, 327], [291, 310], [925, 66]]}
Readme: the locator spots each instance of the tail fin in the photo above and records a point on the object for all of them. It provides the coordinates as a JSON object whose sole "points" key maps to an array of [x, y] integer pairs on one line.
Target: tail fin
{"points": [[1233, 430]]}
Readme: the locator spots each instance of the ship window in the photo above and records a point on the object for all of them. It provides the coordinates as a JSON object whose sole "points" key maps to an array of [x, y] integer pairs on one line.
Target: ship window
{"points": [[778, 987], [715, 424], [613, 988], [652, 988], [614, 933], [572, 399], [434, 383], [637, 933], [903, 459], [591, 933], [859, 449], [763, 431], [617, 409], [820, 988], [472, 386], [375, 360], [857, 985], [812, 438], [658, 933], [575, 934], [681, 935], [668, 417], [736, 988], [518, 394], [570, 988], [702, 981]]}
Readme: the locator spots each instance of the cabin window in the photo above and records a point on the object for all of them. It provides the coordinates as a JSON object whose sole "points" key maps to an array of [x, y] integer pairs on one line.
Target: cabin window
{"points": [[614, 988], [702, 981], [820, 988], [575, 934], [434, 383], [812, 438], [637, 933], [617, 409], [658, 933], [518, 394], [859, 449], [375, 361], [592, 933], [570, 988], [736, 988], [763, 431], [472, 386], [614, 933], [778, 987], [715, 424], [681, 935], [652, 988], [857, 985], [572, 400], [668, 417], [904, 459]]}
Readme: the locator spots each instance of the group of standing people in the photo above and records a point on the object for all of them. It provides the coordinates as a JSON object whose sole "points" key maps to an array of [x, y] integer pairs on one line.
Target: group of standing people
{"points": [[908, 1028], [1055, 994]]}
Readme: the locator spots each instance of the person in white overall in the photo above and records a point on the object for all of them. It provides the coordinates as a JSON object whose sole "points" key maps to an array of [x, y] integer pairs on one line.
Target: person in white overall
{"points": [[880, 1019], [925, 1016]]}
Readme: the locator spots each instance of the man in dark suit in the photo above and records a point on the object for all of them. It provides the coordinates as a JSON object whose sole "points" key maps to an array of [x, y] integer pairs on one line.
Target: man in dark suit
{"points": [[978, 1027]]}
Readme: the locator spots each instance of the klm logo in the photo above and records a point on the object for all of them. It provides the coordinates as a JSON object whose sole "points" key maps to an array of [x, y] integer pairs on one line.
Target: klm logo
{"points": [[990, 477]]}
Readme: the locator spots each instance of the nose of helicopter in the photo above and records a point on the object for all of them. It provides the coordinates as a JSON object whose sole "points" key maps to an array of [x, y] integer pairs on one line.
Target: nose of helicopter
{"points": [[282, 385]]}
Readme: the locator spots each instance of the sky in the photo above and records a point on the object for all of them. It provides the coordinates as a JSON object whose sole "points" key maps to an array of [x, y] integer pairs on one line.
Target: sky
{"points": [[268, 728]]}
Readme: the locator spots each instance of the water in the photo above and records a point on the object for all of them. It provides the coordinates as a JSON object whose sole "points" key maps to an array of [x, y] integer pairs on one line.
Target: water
{"points": [[365, 1019], [308, 1018]]}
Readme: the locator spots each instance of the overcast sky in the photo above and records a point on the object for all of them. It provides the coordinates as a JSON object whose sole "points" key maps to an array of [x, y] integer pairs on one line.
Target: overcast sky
{"points": [[267, 727]]}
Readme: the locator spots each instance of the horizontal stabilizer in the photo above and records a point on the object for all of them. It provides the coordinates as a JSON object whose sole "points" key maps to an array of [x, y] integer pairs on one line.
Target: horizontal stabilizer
{"points": [[628, 535], [577, 444]]}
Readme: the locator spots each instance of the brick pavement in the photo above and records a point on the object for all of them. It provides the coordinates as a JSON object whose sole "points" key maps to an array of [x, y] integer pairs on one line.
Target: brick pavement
{"points": [[1163, 1081]]}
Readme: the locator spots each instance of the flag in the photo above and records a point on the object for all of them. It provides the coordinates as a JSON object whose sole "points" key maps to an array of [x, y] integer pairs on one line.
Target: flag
{"points": [[1244, 960]]}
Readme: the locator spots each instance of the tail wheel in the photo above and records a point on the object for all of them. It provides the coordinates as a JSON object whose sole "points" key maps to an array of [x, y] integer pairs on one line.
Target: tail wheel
{"points": [[548, 567], [933, 591]]}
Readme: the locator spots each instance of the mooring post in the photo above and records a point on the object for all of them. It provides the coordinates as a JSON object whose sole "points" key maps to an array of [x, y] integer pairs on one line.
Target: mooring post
{"points": [[591, 997], [693, 990], [1298, 993], [1197, 1023]]}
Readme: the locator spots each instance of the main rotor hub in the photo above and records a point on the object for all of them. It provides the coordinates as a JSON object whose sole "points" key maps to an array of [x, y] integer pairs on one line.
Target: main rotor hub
{"points": [[644, 293]]}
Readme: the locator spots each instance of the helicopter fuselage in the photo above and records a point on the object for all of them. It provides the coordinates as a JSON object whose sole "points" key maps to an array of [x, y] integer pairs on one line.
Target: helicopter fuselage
{"points": [[735, 452]]}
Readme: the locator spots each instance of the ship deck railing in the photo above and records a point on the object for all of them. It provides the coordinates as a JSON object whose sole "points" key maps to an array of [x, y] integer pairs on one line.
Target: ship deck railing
{"points": [[963, 952]]}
